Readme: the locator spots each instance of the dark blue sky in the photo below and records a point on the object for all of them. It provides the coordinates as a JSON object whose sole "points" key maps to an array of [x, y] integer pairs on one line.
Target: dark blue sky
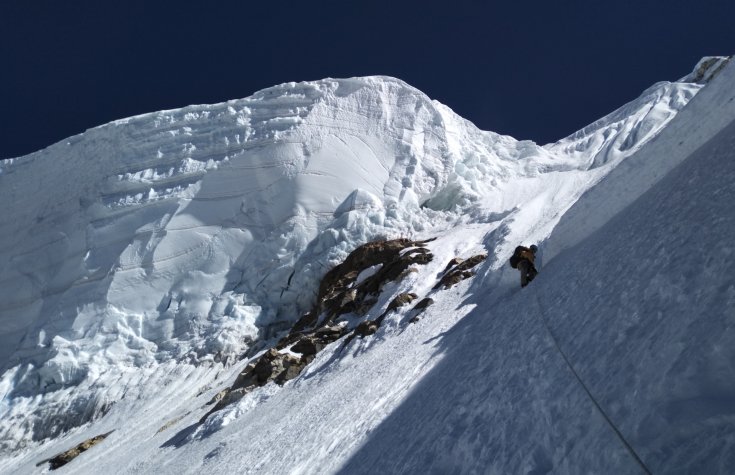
{"points": [[533, 70]]}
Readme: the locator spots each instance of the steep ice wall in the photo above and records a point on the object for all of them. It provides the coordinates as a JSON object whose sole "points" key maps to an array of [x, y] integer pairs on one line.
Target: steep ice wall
{"points": [[189, 236]]}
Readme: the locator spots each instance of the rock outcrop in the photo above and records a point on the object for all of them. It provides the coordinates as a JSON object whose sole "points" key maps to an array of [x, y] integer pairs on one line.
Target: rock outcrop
{"points": [[458, 270], [59, 460], [341, 292], [419, 308], [351, 287]]}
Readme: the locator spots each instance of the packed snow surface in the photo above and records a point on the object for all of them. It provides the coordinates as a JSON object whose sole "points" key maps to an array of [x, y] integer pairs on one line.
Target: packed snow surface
{"points": [[141, 260]]}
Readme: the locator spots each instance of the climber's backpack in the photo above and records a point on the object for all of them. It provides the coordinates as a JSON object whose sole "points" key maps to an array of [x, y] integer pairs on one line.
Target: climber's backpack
{"points": [[516, 257]]}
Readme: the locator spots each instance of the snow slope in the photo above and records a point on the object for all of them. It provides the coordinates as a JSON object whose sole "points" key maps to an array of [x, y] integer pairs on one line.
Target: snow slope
{"points": [[142, 256]]}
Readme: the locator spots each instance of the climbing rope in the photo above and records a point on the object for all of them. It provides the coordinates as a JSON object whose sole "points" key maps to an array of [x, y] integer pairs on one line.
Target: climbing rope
{"points": [[617, 432]]}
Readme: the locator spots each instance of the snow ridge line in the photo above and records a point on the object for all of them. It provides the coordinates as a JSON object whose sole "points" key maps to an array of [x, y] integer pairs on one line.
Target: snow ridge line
{"points": [[602, 412]]}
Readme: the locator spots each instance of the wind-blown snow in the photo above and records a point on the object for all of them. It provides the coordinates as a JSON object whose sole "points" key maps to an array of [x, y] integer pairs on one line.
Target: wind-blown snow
{"points": [[138, 260]]}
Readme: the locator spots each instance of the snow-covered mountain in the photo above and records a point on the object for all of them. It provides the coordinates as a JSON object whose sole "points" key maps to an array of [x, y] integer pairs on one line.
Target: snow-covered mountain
{"points": [[144, 263]]}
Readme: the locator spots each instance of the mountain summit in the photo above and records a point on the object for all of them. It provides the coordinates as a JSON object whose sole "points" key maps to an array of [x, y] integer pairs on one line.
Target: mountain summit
{"points": [[152, 265]]}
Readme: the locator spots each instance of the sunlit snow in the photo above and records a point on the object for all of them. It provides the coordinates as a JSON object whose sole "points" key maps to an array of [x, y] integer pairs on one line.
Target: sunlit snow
{"points": [[142, 262]]}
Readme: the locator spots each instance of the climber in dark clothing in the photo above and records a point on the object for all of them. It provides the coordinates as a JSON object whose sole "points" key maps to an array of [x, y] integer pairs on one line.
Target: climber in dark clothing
{"points": [[522, 259]]}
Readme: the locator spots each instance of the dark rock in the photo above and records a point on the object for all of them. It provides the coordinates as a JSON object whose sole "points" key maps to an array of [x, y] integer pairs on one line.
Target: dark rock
{"points": [[308, 346], [401, 300], [453, 278], [268, 366], [246, 377], [348, 297], [393, 270], [423, 243], [289, 339], [424, 303], [59, 460], [234, 396], [419, 308], [306, 321], [338, 294], [410, 270], [366, 303], [366, 328], [328, 334], [471, 262], [347, 302], [453, 263], [459, 272], [293, 367]]}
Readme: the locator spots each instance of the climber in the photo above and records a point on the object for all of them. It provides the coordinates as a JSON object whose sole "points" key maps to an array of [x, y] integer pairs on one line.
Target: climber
{"points": [[523, 260]]}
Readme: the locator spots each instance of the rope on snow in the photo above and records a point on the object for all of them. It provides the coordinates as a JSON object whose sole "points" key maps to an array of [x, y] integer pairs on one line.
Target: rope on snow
{"points": [[602, 412]]}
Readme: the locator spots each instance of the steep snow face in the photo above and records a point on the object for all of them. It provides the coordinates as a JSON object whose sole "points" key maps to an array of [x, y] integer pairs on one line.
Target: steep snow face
{"points": [[188, 237]]}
